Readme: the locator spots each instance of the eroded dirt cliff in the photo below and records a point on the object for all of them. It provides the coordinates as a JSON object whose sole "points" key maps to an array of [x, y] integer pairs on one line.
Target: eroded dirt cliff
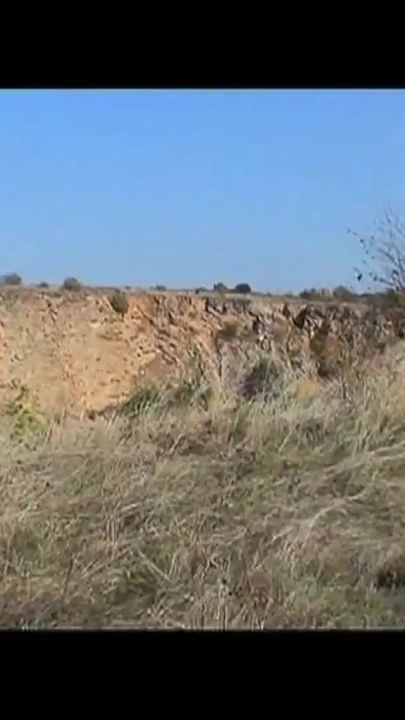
{"points": [[74, 353]]}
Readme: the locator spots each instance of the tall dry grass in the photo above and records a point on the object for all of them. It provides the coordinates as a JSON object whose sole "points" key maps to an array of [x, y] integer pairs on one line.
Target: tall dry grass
{"points": [[211, 510]]}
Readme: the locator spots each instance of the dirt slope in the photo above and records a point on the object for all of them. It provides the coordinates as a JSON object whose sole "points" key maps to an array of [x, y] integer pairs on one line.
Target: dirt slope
{"points": [[74, 353]]}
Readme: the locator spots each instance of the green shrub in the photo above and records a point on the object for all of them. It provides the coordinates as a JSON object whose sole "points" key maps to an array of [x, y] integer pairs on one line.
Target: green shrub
{"points": [[11, 279], [72, 284], [119, 303], [242, 289], [43, 284]]}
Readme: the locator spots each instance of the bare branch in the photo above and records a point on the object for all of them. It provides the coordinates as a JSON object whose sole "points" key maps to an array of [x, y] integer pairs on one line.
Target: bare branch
{"points": [[384, 254]]}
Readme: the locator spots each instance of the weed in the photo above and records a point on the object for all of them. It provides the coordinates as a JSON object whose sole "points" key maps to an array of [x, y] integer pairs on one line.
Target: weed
{"points": [[119, 303]]}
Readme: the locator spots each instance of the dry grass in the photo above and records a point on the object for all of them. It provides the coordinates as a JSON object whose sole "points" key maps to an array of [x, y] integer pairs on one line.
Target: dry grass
{"points": [[278, 511]]}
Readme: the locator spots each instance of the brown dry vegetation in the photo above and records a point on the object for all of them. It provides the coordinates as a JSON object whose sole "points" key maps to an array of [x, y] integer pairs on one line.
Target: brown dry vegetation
{"points": [[207, 507]]}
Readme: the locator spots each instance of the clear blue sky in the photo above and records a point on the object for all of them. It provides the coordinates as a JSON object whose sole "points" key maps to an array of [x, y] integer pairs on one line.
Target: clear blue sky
{"points": [[187, 188]]}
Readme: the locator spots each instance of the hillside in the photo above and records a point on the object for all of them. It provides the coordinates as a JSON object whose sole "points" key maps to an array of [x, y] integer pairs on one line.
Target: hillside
{"points": [[73, 353]]}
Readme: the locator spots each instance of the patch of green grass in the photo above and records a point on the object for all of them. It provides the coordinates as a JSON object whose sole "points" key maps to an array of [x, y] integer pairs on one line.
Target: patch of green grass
{"points": [[143, 400]]}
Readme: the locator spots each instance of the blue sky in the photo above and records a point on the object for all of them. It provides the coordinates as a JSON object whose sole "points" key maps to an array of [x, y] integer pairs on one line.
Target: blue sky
{"points": [[187, 188]]}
